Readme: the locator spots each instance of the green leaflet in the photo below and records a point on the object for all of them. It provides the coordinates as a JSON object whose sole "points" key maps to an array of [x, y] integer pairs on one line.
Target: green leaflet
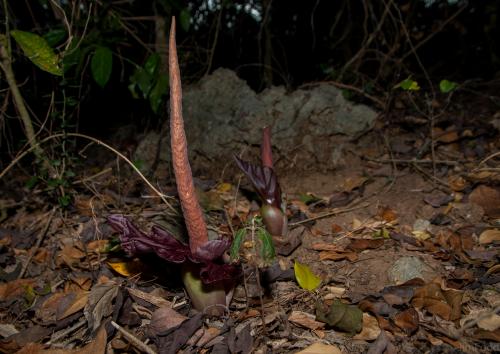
{"points": [[267, 252], [446, 86], [159, 90], [101, 65], [235, 247], [408, 85], [152, 64], [36, 49]]}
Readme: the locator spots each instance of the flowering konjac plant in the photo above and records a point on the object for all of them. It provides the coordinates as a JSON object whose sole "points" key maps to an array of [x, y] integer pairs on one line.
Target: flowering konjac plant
{"points": [[204, 274]]}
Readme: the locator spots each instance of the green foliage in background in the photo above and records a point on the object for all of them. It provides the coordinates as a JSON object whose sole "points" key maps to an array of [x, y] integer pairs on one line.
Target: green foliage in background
{"points": [[38, 50]]}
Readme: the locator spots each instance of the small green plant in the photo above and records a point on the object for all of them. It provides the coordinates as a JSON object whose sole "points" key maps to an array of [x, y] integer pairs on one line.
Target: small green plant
{"points": [[408, 85], [445, 86], [255, 242]]}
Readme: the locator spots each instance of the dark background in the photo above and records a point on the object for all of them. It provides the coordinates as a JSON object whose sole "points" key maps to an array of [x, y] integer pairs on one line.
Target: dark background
{"points": [[370, 45]]}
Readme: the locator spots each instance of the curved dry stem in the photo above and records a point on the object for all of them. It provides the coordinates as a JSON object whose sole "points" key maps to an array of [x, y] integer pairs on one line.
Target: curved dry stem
{"points": [[99, 142], [193, 214]]}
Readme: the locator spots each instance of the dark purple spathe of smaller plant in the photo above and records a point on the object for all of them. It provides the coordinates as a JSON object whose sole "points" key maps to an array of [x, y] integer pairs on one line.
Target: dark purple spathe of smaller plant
{"points": [[266, 184]]}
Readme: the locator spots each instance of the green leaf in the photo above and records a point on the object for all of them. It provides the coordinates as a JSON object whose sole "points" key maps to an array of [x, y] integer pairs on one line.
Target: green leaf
{"points": [[101, 65], [185, 19], [446, 86], [31, 182], [408, 85], [55, 36], [152, 63], [158, 92], [237, 242], [267, 252], [64, 200], [142, 79], [38, 51], [306, 279], [382, 233]]}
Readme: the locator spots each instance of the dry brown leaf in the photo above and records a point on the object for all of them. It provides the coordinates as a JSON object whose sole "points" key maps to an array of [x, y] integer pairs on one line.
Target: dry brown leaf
{"points": [[305, 319], [371, 329], [322, 246], [334, 292], [61, 305], [164, 319], [336, 228], [208, 334], [457, 183], [488, 335], [14, 288], [443, 303], [320, 348], [96, 346], [351, 183], [489, 236], [83, 283], [387, 214], [486, 319], [42, 256], [361, 244], [484, 176], [100, 303], [446, 136], [35, 348], [97, 246], [407, 320], [91, 206], [70, 256], [334, 256], [487, 198]]}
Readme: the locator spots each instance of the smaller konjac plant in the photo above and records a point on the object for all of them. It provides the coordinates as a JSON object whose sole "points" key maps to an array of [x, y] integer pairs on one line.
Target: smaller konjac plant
{"points": [[206, 277], [265, 182]]}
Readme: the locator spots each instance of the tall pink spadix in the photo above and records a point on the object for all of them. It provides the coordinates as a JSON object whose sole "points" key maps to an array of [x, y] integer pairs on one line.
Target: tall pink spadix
{"points": [[193, 214]]}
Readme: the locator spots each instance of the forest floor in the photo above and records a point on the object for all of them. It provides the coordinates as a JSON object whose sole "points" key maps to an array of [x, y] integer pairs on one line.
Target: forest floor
{"points": [[404, 241]]}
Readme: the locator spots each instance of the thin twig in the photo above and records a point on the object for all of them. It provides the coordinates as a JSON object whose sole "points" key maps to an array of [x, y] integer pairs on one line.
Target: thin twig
{"points": [[133, 339], [38, 243], [334, 211], [489, 157], [94, 176], [412, 161], [432, 177], [63, 333]]}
